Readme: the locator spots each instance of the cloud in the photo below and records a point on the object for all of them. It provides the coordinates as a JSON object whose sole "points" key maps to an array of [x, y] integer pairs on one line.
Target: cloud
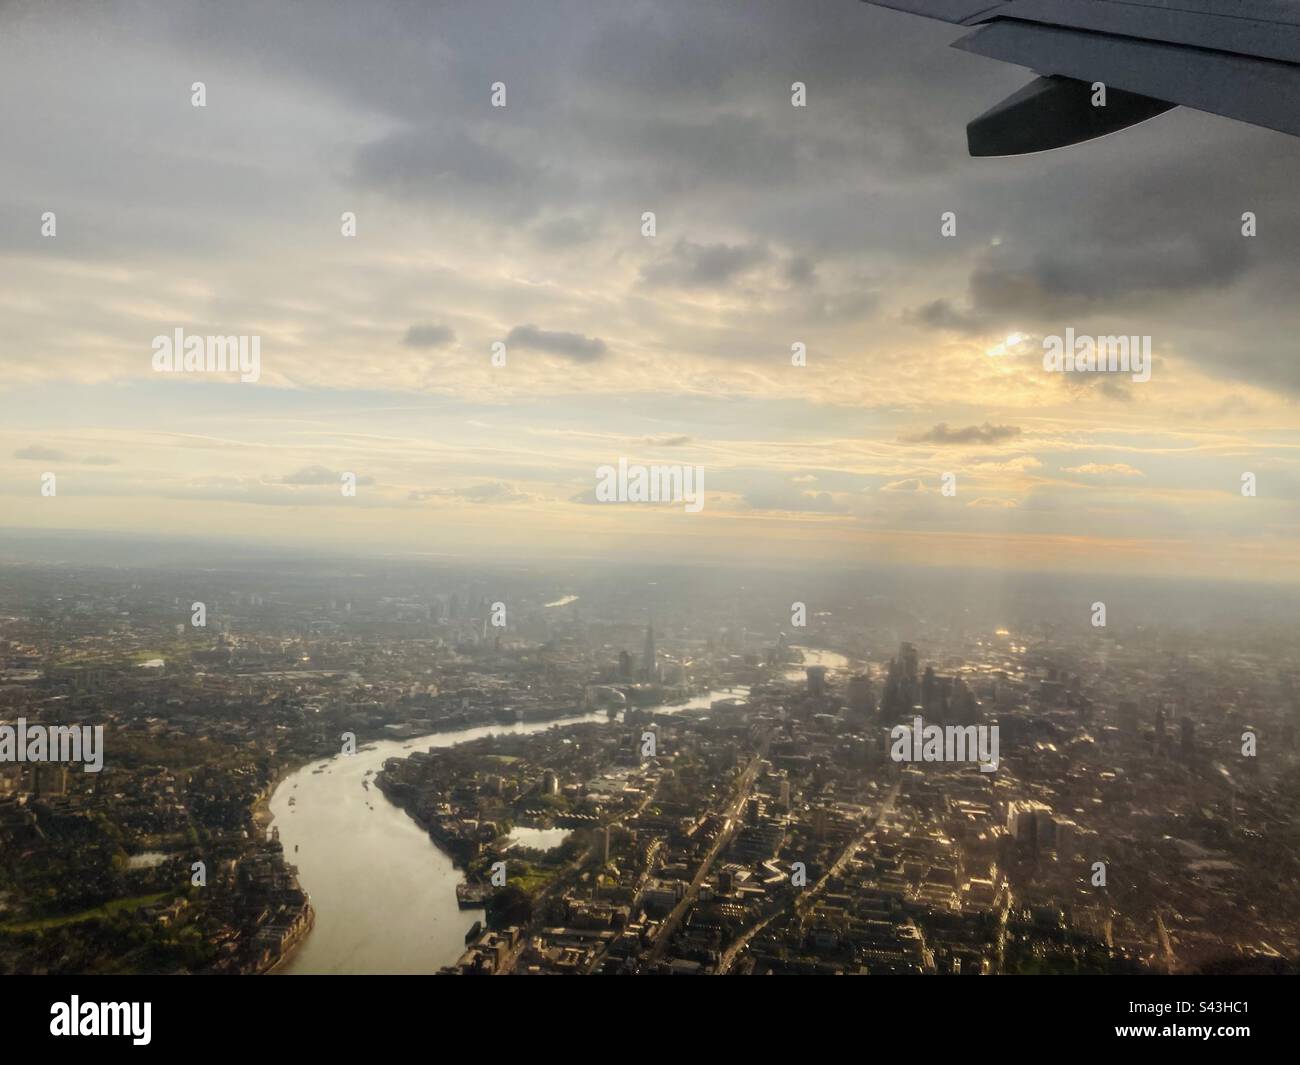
{"points": [[36, 453], [910, 484], [495, 492], [1018, 464], [1098, 469], [972, 434], [313, 475], [428, 336], [1105, 275], [943, 314], [793, 500], [41, 454], [776, 224], [692, 265], [487, 492], [565, 231], [988, 502], [800, 271], [442, 165], [221, 489], [574, 346]]}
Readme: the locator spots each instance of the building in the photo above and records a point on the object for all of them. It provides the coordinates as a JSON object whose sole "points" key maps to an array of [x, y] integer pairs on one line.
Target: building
{"points": [[816, 680], [862, 700], [650, 657]]}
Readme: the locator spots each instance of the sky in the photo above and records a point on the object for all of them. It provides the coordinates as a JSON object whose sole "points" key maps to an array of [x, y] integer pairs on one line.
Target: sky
{"points": [[775, 225]]}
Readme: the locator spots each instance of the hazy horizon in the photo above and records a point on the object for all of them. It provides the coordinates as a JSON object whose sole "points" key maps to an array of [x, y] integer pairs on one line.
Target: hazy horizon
{"points": [[775, 225]]}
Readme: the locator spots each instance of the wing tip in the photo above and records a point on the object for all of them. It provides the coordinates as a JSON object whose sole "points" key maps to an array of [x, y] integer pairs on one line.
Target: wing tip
{"points": [[1055, 112]]}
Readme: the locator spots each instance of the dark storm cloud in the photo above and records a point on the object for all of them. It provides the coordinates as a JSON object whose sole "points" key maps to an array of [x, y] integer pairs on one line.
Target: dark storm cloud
{"points": [[573, 346], [987, 433], [428, 336]]}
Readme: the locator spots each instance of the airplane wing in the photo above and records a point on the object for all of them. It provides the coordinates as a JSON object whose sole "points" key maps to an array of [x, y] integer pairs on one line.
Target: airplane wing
{"points": [[1237, 58]]}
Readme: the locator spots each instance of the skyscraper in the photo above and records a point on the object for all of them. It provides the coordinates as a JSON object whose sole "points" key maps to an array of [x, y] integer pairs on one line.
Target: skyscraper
{"points": [[862, 700], [910, 661], [816, 679], [649, 658]]}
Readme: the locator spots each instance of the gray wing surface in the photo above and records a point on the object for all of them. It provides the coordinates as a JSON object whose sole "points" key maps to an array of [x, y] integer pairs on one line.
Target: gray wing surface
{"points": [[1236, 58]]}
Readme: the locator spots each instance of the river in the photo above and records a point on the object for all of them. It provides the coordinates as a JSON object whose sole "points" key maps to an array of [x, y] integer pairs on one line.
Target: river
{"points": [[384, 894], [832, 660]]}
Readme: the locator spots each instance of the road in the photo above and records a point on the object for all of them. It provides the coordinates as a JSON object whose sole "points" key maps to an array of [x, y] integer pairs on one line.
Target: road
{"points": [[730, 822], [563, 879], [806, 898]]}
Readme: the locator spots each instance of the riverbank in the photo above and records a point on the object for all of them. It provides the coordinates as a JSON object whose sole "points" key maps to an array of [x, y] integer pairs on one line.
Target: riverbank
{"points": [[263, 817], [288, 951], [363, 859]]}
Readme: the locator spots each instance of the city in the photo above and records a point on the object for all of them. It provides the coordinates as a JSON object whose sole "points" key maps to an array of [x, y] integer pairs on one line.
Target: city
{"points": [[653, 488], [614, 771]]}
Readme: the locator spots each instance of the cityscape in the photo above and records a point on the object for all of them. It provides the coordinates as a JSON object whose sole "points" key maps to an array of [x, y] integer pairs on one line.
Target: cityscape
{"points": [[631, 770], [651, 488]]}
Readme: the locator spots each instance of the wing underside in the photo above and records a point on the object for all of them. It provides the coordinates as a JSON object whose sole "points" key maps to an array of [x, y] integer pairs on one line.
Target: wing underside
{"points": [[1236, 58]]}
